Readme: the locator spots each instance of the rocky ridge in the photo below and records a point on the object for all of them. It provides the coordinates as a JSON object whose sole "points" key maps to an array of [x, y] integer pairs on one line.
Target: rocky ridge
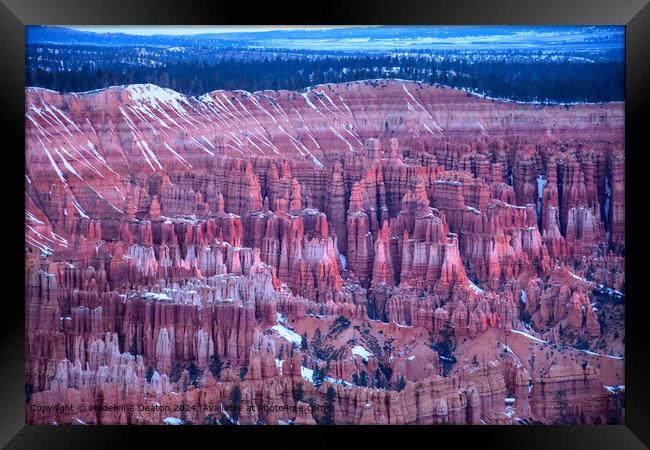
{"points": [[375, 242]]}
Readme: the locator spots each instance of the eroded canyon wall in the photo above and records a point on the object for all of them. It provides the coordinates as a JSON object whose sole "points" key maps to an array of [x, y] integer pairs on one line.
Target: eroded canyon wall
{"points": [[376, 242]]}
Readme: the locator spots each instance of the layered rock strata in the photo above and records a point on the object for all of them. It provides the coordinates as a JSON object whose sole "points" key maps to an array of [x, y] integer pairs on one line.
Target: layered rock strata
{"points": [[355, 247]]}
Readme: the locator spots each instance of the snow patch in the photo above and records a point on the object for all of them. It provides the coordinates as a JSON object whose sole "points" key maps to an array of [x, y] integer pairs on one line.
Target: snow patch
{"points": [[476, 289], [287, 334], [358, 350], [613, 389], [529, 336], [173, 421], [156, 296], [307, 374]]}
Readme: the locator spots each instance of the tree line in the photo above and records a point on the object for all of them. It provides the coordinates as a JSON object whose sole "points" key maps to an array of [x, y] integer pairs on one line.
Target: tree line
{"points": [[516, 75]]}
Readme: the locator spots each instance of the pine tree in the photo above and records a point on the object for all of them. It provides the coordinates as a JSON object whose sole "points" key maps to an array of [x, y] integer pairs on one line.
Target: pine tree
{"points": [[303, 341], [194, 374], [176, 372], [314, 407], [235, 401], [379, 379], [363, 378], [133, 349], [215, 366], [317, 341], [298, 393], [401, 383], [318, 376], [149, 373], [329, 406], [445, 348]]}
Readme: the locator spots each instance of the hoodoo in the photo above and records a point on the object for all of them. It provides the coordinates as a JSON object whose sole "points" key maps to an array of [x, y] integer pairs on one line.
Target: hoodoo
{"points": [[375, 252]]}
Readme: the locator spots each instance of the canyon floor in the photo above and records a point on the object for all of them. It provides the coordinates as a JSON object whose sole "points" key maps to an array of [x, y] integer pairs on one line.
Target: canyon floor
{"points": [[375, 252]]}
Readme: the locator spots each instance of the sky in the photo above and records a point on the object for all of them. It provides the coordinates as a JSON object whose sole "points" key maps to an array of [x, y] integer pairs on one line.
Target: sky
{"points": [[148, 30]]}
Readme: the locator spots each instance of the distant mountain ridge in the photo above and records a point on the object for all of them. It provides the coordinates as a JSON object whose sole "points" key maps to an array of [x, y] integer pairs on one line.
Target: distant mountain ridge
{"points": [[417, 36]]}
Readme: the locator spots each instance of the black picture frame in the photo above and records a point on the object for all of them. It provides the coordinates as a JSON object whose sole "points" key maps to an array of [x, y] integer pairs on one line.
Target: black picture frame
{"points": [[15, 14]]}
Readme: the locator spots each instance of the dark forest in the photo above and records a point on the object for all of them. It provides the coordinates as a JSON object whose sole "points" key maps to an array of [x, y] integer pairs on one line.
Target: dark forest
{"points": [[529, 76]]}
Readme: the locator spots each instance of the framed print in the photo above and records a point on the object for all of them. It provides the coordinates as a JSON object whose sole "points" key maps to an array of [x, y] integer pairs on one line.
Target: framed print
{"points": [[397, 223]]}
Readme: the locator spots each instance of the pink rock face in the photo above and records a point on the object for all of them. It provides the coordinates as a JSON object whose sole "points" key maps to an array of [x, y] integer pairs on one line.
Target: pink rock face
{"points": [[398, 252], [557, 393]]}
